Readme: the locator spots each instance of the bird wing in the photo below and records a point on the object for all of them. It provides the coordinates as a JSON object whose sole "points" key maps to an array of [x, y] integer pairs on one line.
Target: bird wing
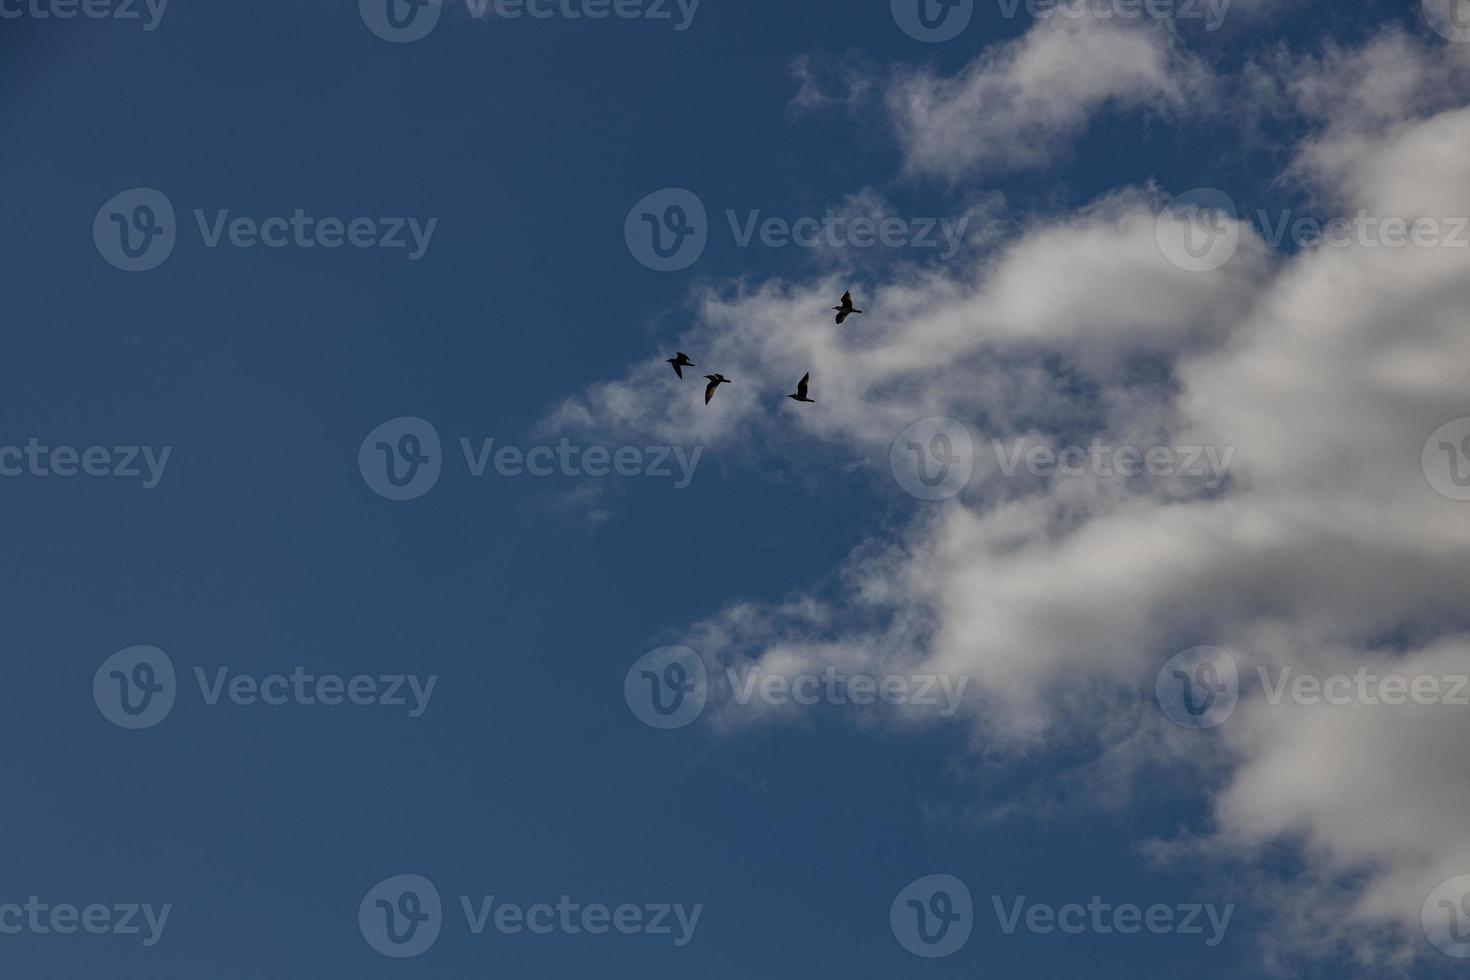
{"points": [[802, 385], [840, 317], [710, 391], [678, 369], [847, 298]]}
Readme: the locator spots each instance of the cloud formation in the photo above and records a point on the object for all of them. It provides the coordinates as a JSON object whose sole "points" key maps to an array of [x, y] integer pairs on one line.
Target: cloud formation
{"points": [[1019, 103], [1059, 598]]}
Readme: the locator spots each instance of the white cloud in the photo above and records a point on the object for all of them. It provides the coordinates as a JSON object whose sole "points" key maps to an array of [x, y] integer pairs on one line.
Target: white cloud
{"points": [[1326, 371], [1020, 103]]}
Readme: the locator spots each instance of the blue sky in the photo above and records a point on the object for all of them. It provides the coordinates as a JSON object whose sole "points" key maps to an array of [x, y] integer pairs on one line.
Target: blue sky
{"points": [[527, 319]]}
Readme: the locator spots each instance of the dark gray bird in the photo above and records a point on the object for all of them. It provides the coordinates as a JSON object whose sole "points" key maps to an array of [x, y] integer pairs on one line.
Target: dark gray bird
{"points": [[801, 386], [680, 360], [846, 309], [715, 380]]}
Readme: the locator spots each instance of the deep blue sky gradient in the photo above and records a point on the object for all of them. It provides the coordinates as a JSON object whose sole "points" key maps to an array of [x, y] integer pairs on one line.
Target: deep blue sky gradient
{"points": [[262, 549]]}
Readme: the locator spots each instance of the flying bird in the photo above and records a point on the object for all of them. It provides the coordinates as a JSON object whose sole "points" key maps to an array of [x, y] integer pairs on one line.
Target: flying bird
{"points": [[846, 309], [801, 387], [680, 361], [715, 380]]}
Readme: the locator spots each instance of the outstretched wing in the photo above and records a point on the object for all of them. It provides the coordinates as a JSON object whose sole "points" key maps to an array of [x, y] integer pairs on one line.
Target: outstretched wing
{"points": [[841, 316], [710, 391], [801, 385], [678, 369], [847, 299]]}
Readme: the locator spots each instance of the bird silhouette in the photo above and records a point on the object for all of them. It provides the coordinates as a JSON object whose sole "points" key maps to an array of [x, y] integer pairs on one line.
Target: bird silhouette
{"points": [[680, 361], [801, 387], [846, 309], [715, 380]]}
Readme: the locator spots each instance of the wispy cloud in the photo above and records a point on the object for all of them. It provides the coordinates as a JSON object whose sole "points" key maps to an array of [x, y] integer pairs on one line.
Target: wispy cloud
{"points": [[1326, 370]]}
